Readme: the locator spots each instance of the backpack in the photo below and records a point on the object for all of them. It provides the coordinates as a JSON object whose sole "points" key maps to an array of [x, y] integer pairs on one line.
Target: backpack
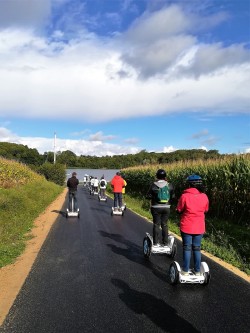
{"points": [[163, 194], [102, 183]]}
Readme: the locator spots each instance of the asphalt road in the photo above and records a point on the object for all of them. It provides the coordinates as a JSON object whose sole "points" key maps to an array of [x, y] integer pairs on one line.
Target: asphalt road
{"points": [[91, 276]]}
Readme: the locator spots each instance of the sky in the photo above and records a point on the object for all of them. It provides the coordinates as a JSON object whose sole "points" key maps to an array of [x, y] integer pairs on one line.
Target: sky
{"points": [[110, 77]]}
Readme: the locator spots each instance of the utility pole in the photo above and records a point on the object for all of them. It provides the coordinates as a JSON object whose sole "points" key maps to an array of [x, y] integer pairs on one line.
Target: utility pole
{"points": [[54, 147]]}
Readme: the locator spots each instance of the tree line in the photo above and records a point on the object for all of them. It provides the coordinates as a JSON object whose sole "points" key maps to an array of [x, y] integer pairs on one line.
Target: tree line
{"points": [[69, 159]]}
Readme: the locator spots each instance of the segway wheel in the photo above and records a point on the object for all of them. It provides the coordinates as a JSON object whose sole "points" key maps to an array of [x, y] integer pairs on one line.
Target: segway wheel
{"points": [[112, 212], [78, 215], [174, 250], [207, 276], [67, 215], [173, 273], [146, 248]]}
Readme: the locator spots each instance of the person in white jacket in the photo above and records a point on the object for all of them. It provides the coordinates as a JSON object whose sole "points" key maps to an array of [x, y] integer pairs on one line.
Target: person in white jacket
{"points": [[95, 184], [103, 186]]}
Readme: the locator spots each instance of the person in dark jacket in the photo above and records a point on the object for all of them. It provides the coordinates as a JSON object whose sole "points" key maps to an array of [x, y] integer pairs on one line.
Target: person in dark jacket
{"points": [[160, 209], [72, 184]]}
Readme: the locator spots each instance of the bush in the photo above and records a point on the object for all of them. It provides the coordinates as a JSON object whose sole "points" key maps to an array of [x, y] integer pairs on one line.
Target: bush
{"points": [[53, 172]]}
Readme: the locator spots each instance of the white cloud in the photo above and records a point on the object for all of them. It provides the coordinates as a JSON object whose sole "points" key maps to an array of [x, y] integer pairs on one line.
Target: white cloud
{"points": [[100, 137], [79, 147], [93, 79], [169, 149]]}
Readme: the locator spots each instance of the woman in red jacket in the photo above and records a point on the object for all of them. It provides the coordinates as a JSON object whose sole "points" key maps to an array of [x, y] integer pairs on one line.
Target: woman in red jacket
{"points": [[192, 205]]}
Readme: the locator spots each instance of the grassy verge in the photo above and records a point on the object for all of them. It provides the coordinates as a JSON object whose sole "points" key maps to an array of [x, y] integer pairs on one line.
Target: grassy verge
{"points": [[19, 207], [226, 241]]}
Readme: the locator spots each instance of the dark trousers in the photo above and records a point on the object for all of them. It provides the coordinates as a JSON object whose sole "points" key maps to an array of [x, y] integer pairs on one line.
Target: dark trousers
{"points": [[117, 199], [160, 220], [74, 196]]}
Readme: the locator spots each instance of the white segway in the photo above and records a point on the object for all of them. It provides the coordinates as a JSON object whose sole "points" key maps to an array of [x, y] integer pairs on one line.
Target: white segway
{"points": [[102, 197], [72, 212], [176, 276], [117, 211], [149, 247]]}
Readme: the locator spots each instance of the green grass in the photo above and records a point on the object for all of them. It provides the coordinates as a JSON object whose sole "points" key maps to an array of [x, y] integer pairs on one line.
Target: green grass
{"points": [[19, 207], [223, 239]]}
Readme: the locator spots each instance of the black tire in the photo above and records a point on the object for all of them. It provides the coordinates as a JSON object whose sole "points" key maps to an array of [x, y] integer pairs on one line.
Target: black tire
{"points": [[207, 276], [122, 213], [173, 273], [78, 215], [67, 215], [112, 213], [146, 248], [174, 250]]}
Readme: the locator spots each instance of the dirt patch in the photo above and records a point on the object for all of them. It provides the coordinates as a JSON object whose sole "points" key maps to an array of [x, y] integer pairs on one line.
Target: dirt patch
{"points": [[13, 276]]}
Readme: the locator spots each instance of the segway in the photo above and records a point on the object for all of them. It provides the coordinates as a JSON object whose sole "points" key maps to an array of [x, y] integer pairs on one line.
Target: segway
{"points": [[72, 212], [102, 197], [117, 211], [149, 247], [176, 276], [95, 191]]}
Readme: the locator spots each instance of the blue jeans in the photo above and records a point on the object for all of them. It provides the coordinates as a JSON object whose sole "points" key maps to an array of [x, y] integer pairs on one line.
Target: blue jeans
{"points": [[191, 243], [117, 199], [72, 195]]}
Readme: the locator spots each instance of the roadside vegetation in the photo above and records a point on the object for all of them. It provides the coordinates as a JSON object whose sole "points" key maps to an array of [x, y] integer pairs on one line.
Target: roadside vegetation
{"points": [[227, 183], [24, 195]]}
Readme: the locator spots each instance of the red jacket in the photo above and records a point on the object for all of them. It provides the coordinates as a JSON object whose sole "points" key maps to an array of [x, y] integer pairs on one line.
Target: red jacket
{"points": [[117, 183], [193, 205]]}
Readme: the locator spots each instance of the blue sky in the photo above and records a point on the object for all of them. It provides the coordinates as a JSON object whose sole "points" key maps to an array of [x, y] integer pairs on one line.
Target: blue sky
{"points": [[119, 76]]}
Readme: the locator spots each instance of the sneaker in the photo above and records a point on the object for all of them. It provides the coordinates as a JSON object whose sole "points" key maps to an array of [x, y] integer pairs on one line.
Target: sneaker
{"points": [[197, 273], [184, 273]]}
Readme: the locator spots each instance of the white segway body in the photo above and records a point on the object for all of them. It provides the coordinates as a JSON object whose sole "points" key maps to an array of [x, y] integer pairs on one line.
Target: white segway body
{"points": [[117, 211], [149, 247], [102, 198], [72, 213], [176, 276]]}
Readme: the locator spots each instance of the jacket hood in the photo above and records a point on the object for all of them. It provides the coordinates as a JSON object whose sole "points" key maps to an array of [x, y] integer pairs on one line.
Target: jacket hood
{"points": [[161, 183], [192, 190]]}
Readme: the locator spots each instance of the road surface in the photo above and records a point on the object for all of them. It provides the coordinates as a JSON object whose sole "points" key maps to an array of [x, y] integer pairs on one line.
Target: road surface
{"points": [[91, 276]]}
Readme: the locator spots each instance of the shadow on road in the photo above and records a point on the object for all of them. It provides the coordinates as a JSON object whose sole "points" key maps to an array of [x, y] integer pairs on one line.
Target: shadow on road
{"points": [[134, 253], [161, 314]]}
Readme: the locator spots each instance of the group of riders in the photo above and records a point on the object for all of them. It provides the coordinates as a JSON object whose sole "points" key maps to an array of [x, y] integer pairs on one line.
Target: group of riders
{"points": [[192, 206], [95, 185]]}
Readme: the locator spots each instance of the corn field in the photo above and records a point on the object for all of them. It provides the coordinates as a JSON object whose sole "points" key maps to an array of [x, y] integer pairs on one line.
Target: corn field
{"points": [[227, 183]]}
